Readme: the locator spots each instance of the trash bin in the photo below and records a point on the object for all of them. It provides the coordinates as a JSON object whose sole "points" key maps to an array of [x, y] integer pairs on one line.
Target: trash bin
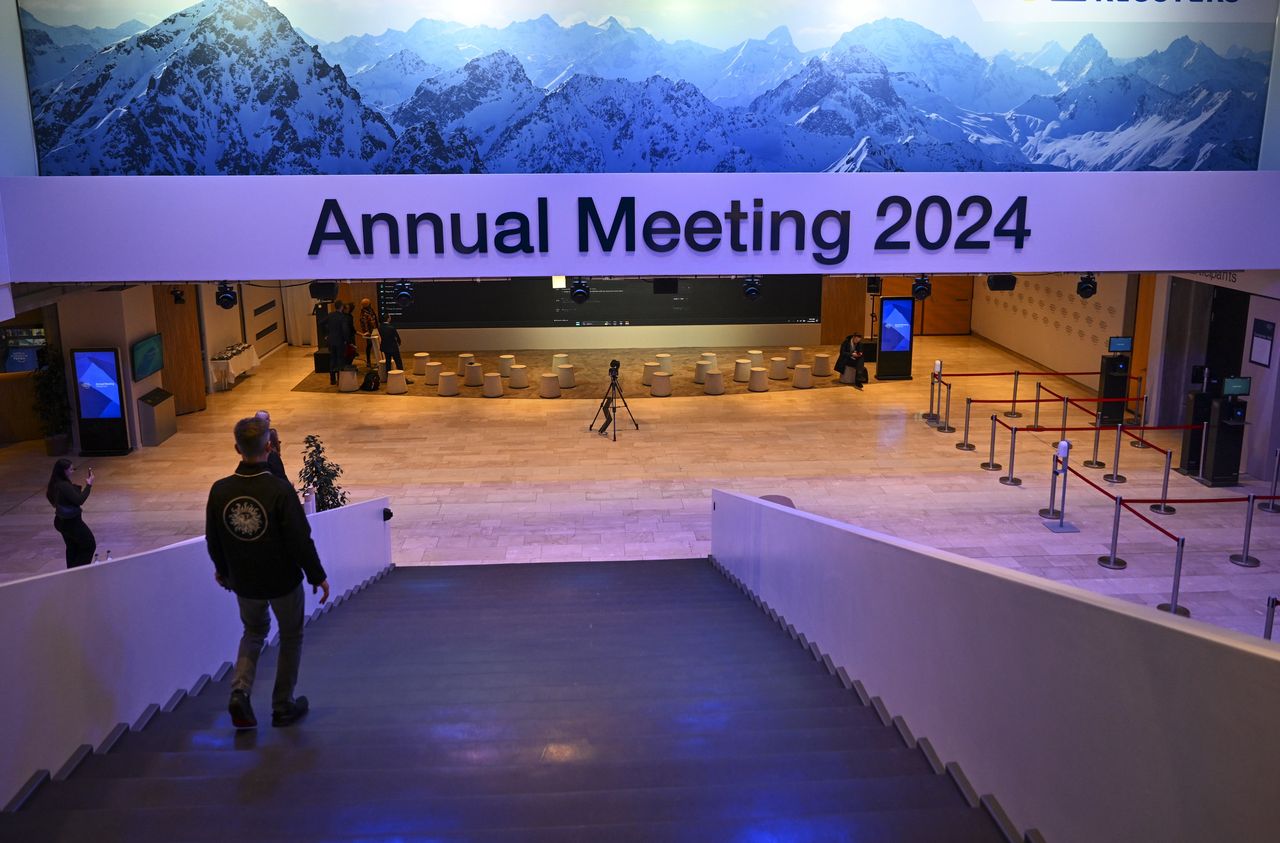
{"points": [[157, 418]]}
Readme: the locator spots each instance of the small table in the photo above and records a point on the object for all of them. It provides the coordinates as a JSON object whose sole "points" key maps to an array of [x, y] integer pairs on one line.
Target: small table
{"points": [[225, 372]]}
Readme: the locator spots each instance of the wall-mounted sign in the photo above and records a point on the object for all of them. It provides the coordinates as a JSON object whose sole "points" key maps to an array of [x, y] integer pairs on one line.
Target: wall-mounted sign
{"points": [[1264, 335]]}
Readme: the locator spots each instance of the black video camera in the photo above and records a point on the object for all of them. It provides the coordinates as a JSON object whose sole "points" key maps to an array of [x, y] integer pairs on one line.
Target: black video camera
{"points": [[614, 366]]}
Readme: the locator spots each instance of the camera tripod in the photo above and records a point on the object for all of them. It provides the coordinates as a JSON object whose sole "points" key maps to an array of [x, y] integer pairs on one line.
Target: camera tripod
{"points": [[609, 406]]}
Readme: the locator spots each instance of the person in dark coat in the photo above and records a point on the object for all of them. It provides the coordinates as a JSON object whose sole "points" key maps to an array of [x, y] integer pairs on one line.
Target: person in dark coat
{"points": [[349, 311], [67, 498], [851, 355], [275, 463], [338, 335], [368, 324], [390, 339], [260, 543]]}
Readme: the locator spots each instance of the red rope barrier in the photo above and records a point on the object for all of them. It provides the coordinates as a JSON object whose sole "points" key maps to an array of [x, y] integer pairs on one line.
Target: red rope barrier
{"points": [[1008, 374], [1148, 521], [1002, 423], [1091, 483], [1137, 438], [1195, 500]]}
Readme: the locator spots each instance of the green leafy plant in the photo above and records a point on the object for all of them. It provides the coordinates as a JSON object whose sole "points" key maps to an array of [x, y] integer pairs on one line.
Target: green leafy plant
{"points": [[52, 405], [321, 474]]}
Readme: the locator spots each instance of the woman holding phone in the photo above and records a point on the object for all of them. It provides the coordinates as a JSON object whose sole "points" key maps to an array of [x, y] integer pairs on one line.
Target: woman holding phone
{"points": [[67, 498]]}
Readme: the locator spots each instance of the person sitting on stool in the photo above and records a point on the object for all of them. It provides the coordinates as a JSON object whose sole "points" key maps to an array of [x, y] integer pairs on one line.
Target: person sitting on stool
{"points": [[851, 355], [390, 341]]}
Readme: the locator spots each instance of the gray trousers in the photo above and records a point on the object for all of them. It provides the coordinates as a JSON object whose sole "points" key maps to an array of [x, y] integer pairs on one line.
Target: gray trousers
{"points": [[288, 610]]}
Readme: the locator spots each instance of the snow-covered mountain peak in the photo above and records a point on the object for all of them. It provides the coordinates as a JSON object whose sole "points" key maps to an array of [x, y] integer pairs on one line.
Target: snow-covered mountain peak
{"points": [[780, 37]]}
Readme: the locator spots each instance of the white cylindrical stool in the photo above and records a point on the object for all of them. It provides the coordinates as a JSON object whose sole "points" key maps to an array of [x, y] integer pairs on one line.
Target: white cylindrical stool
{"points": [[395, 382], [550, 385], [382, 370], [505, 362], [700, 370], [519, 376], [492, 384], [664, 363], [463, 360], [347, 380], [777, 368], [475, 374], [661, 385], [710, 357], [558, 360], [849, 374], [757, 357], [565, 373], [794, 355], [448, 385], [650, 369], [822, 365], [804, 377], [420, 361], [759, 379], [742, 370], [432, 374], [715, 383]]}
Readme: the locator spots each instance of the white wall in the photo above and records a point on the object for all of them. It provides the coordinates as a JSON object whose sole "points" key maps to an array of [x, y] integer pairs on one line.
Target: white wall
{"points": [[93, 647], [17, 140], [259, 295], [635, 336], [1088, 718], [1044, 320], [1263, 433], [111, 319], [220, 328]]}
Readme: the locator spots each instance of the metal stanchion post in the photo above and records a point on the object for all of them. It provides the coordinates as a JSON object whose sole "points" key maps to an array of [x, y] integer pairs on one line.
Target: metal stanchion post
{"points": [[1272, 602], [1013, 404], [1163, 507], [945, 425], [1243, 559], [1172, 606], [966, 445], [1112, 561], [1097, 434], [991, 464], [1140, 442], [1115, 476], [931, 416], [1273, 505], [1064, 418], [1035, 420], [1064, 457], [1052, 511], [1010, 480]]}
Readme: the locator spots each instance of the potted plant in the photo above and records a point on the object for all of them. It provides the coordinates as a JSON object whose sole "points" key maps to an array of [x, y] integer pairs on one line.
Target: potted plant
{"points": [[320, 474], [52, 405]]}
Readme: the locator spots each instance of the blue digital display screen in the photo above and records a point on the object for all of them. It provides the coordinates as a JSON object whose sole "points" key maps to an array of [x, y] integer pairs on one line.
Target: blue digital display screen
{"points": [[97, 384], [895, 324], [20, 360], [1120, 345], [148, 356]]}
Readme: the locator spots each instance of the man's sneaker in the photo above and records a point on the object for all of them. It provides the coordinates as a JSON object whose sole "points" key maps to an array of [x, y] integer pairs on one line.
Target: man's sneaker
{"points": [[241, 711], [291, 715]]}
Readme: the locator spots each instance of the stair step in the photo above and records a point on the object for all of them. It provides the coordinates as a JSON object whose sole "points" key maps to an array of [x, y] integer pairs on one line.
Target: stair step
{"points": [[310, 779], [456, 744], [258, 814], [351, 759]]}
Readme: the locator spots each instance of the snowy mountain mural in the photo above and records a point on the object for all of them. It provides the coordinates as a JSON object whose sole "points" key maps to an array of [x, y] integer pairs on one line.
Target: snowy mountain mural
{"points": [[232, 87]]}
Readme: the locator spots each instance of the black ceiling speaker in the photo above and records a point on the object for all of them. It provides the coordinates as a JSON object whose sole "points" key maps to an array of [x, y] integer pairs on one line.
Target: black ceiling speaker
{"points": [[666, 286], [323, 290], [874, 285], [1001, 283]]}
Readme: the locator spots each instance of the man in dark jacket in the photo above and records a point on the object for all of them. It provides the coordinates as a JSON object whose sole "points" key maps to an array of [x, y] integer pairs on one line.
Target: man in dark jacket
{"points": [[851, 355], [337, 336], [275, 462], [390, 343], [260, 544]]}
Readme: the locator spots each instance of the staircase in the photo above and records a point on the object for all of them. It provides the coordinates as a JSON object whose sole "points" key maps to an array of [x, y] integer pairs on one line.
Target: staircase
{"points": [[619, 701]]}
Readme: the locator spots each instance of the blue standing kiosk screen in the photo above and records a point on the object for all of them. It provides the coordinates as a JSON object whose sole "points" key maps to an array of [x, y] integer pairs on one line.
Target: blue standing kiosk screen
{"points": [[895, 324], [98, 383]]}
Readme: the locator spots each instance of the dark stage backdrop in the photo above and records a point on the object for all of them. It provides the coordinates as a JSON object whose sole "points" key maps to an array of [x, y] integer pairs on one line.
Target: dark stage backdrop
{"points": [[534, 303]]}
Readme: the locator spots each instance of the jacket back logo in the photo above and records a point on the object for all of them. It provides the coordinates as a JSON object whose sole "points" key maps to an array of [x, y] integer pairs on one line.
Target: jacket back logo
{"points": [[245, 518]]}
